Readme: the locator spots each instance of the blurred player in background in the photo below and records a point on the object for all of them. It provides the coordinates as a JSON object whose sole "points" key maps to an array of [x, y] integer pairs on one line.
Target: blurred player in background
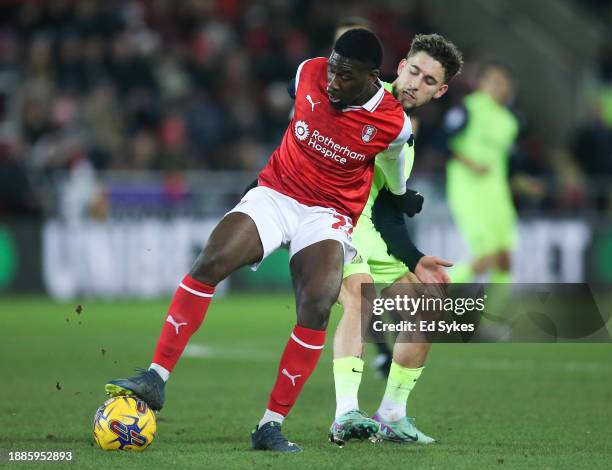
{"points": [[482, 132], [386, 255], [310, 194]]}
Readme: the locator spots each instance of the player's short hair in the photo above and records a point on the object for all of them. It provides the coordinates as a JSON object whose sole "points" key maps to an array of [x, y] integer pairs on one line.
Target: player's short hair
{"points": [[440, 49], [362, 45]]}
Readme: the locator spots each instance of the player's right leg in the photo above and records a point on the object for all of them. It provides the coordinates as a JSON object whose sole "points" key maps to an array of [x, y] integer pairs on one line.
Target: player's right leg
{"points": [[349, 421], [234, 243]]}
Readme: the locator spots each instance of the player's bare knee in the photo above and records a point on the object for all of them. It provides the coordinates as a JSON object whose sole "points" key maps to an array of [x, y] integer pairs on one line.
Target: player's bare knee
{"points": [[313, 309], [210, 267], [351, 306], [357, 292], [350, 301], [313, 315]]}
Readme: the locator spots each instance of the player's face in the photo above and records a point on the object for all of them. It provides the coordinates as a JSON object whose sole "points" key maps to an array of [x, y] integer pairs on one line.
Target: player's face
{"points": [[498, 84], [348, 81], [420, 78]]}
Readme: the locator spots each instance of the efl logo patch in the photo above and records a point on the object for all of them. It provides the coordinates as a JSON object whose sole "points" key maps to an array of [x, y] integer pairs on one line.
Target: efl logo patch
{"points": [[367, 133], [301, 130]]}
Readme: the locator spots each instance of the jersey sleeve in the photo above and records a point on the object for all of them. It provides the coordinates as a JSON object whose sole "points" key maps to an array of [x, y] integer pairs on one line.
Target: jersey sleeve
{"points": [[392, 161], [296, 80], [390, 223], [292, 87]]}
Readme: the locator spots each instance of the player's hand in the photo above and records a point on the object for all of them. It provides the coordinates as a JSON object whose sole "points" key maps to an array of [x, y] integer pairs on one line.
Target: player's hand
{"points": [[410, 203], [430, 270]]}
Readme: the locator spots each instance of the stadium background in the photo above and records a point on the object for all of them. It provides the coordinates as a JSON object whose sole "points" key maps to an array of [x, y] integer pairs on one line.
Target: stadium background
{"points": [[127, 129]]}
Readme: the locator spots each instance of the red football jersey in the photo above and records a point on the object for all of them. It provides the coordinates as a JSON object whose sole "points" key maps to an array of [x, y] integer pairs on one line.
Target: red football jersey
{"points": [[326, 157]]}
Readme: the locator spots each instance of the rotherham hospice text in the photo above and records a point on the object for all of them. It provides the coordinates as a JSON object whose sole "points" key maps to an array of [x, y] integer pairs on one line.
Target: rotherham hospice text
{"points": [[329, 149], [412, 305]]}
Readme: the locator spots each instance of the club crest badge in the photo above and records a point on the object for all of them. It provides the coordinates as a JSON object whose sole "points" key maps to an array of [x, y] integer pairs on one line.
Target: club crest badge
{"points": [[367, 133]]}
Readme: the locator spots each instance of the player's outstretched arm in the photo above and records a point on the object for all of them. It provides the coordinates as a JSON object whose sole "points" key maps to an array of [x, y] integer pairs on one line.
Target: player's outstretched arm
{"points": [[389, 221]]}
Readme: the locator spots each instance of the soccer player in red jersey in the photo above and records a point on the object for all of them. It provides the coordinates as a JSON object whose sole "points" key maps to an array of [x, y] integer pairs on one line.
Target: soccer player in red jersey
{"points": [[309, 197]]}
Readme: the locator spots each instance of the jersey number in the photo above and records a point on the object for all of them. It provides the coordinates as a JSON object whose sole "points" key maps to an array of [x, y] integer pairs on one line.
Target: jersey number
{"points": [[342, 223]]}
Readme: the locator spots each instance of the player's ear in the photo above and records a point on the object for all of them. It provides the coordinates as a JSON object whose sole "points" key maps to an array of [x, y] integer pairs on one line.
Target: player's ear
{"points": [[401, 66], [443, 89], [374, 75]]}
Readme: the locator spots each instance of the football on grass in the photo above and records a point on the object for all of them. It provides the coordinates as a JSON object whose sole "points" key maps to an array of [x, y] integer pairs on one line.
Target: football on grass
{"points": [[124, 423]]}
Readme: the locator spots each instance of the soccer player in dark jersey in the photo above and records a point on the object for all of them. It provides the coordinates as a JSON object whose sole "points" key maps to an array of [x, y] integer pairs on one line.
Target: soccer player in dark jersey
{"points": [[309, 197]]}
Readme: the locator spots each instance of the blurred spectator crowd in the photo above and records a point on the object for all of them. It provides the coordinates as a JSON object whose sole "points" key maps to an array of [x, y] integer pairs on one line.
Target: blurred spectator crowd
{"points": [[194, 84]]}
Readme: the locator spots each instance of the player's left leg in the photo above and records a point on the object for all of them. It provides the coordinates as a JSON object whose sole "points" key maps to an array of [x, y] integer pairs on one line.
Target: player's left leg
{"points": [[316, 272], [409, 355]]}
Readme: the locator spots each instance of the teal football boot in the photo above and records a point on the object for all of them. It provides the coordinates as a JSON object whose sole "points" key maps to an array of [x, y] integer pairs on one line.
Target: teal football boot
{"points": [[354, 424], [403, 431]]}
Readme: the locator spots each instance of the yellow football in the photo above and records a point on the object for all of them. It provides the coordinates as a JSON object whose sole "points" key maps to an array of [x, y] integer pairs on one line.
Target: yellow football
{"points": [[124, 423]]}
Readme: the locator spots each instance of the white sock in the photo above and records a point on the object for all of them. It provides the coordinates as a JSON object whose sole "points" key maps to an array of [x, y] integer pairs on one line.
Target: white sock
{"points": [[346, 404], [271, 416], [400, 383], [162, 371], [347, 378], [390, 410]]}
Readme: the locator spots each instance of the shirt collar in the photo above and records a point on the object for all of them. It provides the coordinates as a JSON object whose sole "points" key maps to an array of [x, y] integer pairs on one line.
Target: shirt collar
{"points": [[373, 102]]}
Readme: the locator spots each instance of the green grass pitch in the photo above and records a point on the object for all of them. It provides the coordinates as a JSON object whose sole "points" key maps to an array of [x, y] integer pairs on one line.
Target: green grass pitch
{"points": [[490, 406]]}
